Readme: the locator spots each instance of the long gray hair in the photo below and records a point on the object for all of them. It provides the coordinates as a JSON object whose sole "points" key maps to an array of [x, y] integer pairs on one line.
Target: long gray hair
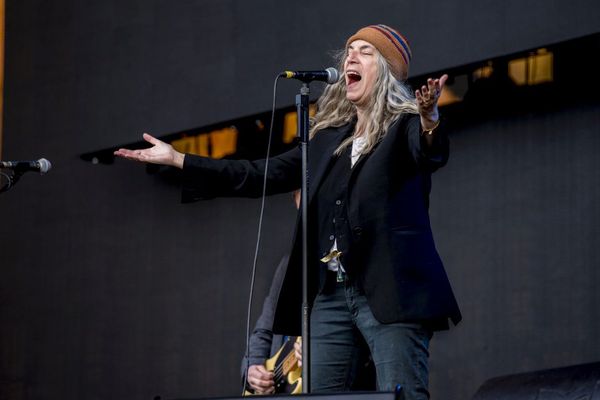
{"points": [[390, 98]]}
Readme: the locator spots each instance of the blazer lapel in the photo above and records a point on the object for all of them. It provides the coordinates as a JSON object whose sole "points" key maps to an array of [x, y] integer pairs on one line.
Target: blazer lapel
{"points": [[321, 155]]}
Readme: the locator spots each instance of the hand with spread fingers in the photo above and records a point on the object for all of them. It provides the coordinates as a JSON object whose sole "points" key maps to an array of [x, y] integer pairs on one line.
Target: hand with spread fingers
{"points": [[427, 99], [159, 153]]}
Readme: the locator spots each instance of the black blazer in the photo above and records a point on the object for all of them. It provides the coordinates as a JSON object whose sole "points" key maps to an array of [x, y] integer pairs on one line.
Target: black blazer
{"points": [[392, 253]]}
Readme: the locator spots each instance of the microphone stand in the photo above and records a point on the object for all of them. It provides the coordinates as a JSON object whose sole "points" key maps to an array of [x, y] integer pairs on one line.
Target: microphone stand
{"points": [[302, 101]]}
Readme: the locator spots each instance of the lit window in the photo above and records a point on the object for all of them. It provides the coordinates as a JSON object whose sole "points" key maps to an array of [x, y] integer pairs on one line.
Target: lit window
{"points": [[532, 70]]}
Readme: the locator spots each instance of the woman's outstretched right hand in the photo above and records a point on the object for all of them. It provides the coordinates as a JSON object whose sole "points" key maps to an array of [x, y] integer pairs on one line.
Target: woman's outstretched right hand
{"points": [[159, 153]]}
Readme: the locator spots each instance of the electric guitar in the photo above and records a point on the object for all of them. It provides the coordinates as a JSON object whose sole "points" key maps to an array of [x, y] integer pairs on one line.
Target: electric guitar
{"points": [[284, 365]]}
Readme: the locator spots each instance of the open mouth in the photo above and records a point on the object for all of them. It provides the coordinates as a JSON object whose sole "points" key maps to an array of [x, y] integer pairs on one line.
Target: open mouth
{"points": [[352, 77]]}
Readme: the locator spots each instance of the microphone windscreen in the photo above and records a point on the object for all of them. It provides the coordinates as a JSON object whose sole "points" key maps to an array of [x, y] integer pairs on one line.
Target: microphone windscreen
{"points": [[332, 75], [44, 165]]}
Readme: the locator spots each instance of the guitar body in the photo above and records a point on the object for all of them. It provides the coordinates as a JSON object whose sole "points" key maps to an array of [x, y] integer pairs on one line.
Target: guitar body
{"points": [[284, 365]]}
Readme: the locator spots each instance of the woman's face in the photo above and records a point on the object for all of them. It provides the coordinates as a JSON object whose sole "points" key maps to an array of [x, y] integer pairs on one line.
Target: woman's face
{"points": [[360, 68]]}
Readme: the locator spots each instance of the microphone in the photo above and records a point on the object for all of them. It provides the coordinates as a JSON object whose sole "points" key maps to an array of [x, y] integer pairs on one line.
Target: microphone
{"points": [[330, 75], [42, 165]]}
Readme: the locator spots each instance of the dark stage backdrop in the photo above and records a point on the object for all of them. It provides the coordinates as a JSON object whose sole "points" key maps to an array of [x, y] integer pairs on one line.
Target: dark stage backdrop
{"points": [[109, 288]]}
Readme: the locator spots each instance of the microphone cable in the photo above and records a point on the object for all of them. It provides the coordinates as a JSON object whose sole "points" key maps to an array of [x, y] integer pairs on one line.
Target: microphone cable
{"points": [[258, 236]]}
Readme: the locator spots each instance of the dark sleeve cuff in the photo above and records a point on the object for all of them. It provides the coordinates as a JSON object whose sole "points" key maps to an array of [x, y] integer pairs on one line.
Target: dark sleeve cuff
{"points": [[430, 152], [198, 183]]}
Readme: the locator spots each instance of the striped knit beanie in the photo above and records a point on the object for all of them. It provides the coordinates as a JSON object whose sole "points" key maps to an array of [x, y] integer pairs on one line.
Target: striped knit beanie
{"points": [[391, 44]]}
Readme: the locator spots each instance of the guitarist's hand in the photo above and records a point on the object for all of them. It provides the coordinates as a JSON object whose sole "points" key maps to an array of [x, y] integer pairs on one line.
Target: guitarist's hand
{"points": [[261, 380], [298, 351]]}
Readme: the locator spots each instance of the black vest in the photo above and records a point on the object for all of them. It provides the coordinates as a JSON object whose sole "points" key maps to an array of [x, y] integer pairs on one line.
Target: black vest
{"points": [[331, 206]]}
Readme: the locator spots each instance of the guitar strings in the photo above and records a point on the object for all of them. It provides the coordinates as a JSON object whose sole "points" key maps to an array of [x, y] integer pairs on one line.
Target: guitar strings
{"points": [[278, 370]]}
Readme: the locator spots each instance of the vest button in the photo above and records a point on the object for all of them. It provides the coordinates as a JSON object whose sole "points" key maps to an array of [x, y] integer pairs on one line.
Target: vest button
{"points": [[357, 230]]}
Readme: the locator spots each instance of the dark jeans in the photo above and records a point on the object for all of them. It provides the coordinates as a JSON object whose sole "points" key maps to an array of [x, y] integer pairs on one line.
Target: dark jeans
{"points": [[339, 317]]}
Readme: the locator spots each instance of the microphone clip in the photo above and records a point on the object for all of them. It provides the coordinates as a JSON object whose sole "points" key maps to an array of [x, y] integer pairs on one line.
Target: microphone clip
{"points": [[11, 179]]}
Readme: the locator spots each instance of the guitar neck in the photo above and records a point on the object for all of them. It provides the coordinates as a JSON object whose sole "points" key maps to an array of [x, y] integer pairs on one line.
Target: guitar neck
{"points": [[289, 363]]}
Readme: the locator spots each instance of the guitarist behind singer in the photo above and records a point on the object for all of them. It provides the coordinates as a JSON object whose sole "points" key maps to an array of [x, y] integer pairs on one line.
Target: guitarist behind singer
{"points": [[264, 344]]}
